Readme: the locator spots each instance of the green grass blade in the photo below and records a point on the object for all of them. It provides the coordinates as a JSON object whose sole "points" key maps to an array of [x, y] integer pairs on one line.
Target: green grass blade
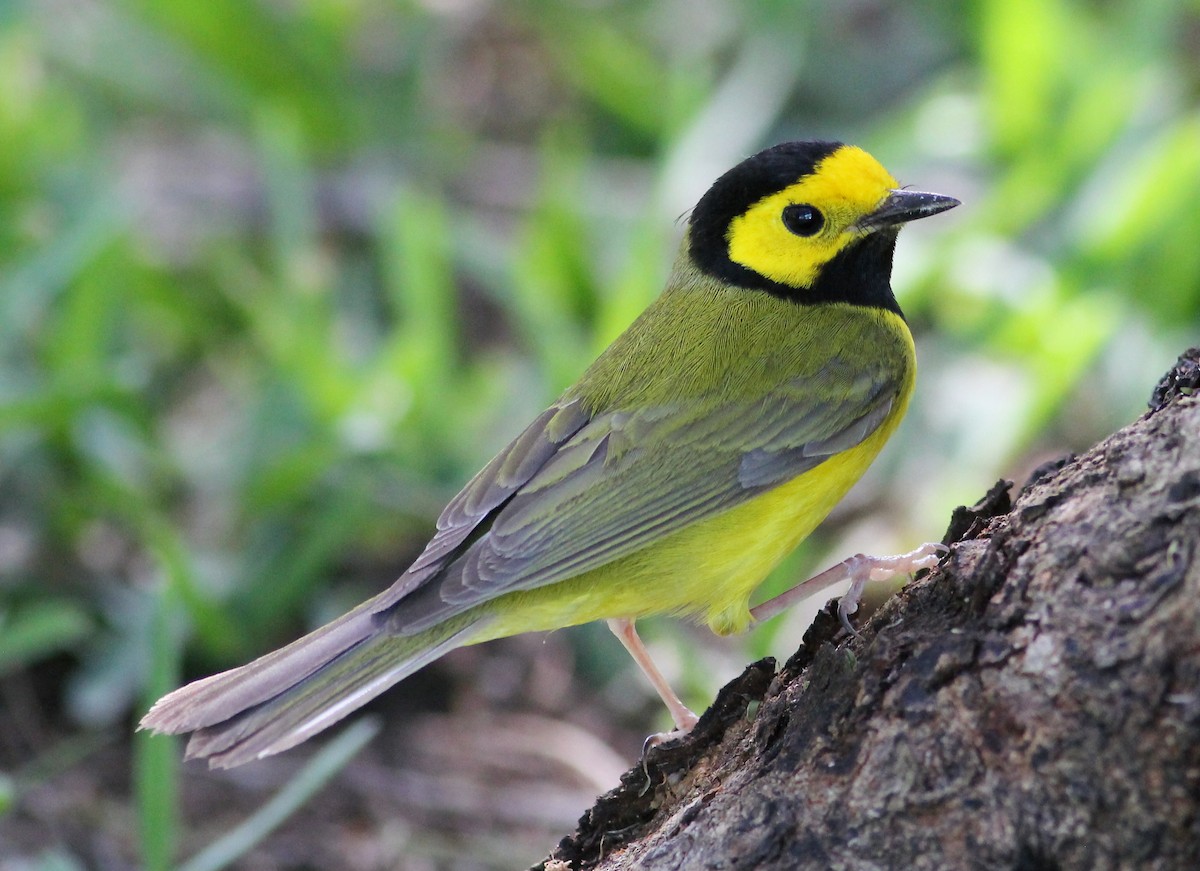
{"points": [[156, 756], [238, 841], [40, 629]]}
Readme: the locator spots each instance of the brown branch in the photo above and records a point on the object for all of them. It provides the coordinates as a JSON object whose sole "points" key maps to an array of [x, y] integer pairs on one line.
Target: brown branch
{"points": [[1034, 702]]}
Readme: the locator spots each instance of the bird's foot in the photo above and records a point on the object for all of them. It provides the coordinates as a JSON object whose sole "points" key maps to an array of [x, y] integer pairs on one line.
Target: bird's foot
{"points": [[858, 570], [676, 733], [862, 569]]}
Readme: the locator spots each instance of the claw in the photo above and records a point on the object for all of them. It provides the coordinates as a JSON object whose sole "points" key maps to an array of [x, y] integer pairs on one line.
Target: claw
{"points": [[662, 738], [861, 569]]}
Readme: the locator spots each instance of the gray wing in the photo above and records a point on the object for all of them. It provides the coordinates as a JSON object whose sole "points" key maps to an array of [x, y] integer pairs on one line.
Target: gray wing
{"points": [[552, 505], [494, 485]]}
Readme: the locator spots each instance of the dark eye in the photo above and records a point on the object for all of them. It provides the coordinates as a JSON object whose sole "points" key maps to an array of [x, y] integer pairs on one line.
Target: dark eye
{"points": [[803, 220]]}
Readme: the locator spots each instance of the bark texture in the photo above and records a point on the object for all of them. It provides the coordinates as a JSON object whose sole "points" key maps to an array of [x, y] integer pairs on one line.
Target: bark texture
{"points": [[1033, 703]]}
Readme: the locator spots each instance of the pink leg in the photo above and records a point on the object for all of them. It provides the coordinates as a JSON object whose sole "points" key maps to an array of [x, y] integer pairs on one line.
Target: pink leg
{"points": [[624, 630], [859, 569]]}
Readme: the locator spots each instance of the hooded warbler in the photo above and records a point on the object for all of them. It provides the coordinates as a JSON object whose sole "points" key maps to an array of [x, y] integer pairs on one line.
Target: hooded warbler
{"points": [[701, 447]]}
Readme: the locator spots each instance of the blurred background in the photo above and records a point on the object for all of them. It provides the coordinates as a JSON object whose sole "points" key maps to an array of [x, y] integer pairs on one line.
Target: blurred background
{"points": [[277, 276]]}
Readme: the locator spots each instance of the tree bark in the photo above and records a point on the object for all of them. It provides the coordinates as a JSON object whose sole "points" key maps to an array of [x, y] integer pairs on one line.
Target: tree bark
{"points": [[1032, 703]]}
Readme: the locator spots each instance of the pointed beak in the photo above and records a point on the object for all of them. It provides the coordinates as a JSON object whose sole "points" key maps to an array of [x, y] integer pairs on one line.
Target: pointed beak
{"points": [[900, 207]]}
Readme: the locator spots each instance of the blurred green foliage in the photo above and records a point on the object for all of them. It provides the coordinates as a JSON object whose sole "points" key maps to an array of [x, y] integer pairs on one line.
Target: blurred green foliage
{"points": [[276, 278]]}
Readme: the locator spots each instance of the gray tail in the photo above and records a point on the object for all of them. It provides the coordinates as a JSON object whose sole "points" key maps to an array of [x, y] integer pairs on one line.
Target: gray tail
{"points": [[280, 699]]}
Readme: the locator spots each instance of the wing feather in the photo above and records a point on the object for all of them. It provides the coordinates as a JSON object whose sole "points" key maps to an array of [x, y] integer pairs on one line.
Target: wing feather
{"points": [[494, 485], [626, 478]]}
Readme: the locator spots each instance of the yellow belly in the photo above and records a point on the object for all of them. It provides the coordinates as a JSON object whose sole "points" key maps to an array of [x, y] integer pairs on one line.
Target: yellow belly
{"points": [[708, 570]]}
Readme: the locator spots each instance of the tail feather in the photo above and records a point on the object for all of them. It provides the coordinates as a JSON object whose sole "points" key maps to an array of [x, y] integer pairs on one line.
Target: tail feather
{"points": [[218, 697], [280, 699], [339, 688]]}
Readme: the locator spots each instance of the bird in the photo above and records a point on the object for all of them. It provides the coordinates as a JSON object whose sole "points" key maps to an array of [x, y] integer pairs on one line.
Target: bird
{"points": [[700, 448]]}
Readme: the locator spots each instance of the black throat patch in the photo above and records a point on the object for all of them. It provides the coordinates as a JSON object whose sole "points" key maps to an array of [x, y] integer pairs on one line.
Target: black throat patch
{"points": [[859, 274]]}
